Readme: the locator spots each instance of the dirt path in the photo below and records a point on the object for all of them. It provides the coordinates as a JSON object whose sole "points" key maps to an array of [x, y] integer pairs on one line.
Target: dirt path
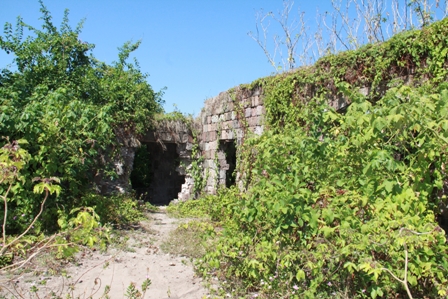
{"points": [[140, 258]]}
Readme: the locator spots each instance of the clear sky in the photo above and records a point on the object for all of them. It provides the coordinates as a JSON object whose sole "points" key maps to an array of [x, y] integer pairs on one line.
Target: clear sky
{"points": [[195, 48]]}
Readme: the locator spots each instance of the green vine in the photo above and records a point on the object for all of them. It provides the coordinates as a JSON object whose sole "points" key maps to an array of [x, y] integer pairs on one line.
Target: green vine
{"points": [[343, 204], [196, 171]]}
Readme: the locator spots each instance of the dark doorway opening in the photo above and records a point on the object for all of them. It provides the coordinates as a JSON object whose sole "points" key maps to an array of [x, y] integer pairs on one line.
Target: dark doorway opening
{"points": [[229, 149], [142, 168], [155, 177]]}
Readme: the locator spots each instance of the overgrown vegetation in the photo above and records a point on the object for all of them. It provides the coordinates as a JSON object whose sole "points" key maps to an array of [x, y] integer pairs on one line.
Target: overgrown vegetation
{"points": [[343, 205], [65, 116]]}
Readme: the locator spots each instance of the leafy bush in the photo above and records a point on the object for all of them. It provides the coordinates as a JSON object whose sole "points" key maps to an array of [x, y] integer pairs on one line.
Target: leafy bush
{"points": [[207, 206], [80, 227], [70, 107], [344, 203], [119, 209]]}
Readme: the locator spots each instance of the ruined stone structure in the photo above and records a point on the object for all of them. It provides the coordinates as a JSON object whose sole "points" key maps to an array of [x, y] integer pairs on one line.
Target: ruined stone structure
{"points": [[220, 128], [169, 147], [225, 120]]}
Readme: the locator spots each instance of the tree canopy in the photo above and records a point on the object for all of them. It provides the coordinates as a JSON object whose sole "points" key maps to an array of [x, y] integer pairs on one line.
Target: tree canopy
{"points": [[68, 106]]}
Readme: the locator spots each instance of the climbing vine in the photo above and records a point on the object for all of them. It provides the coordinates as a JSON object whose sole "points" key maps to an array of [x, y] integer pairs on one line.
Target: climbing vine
{"points": [[197, 169]]}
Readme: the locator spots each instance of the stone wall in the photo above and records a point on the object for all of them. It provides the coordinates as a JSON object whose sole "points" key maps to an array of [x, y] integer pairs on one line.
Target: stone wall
{"points": [[226, 119], [122, 164], [221, 128], [170, 164]]}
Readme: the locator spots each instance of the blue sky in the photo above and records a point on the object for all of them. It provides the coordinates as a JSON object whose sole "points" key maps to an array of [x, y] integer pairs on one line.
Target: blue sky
{"points": [[194, 48]]}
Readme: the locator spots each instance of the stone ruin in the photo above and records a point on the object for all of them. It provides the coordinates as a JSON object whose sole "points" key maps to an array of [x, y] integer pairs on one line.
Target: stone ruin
{"points": [[225, 121], [221, 127], [170, 148]]}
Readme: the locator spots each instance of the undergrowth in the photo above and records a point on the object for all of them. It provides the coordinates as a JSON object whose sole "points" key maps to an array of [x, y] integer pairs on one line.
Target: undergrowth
{"points": [[342, 205]]}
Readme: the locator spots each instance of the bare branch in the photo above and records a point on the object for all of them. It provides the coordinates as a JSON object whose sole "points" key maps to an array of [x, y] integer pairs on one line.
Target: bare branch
{"points": [[293, 31]]}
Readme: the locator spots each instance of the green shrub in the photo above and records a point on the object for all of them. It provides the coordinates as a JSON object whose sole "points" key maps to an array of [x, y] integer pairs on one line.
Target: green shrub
{"points": [[69, 107], [342, 203], [117, 209]]}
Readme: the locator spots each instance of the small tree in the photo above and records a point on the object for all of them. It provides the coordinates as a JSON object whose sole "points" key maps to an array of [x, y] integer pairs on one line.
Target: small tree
{"points": [[69, 107]]}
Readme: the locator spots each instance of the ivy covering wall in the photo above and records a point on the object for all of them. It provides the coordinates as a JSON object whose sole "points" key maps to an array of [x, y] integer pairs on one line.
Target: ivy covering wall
{"points": [[344, 204]]}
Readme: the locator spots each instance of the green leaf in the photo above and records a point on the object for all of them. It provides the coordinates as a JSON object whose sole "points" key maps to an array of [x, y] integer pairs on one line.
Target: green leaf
{"points": [[300, 275]]}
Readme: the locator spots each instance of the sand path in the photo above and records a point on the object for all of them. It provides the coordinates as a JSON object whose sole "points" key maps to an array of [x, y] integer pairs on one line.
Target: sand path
{"points": [[140, 258]]}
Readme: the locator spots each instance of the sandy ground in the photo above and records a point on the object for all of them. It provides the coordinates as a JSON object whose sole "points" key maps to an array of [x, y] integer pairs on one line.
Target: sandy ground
{"points": [[141, 258]]}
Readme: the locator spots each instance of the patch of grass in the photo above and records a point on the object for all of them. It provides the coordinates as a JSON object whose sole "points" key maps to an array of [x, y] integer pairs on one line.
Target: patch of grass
{"points": [[189, 239], [198, 208]]}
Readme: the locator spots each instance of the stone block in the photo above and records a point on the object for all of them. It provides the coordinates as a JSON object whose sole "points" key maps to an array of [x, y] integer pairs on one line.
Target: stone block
{"points": [[227, 134], [231, 134], [213, 145], [253, 121], [206, 154], [219, 108], [255, 101], [222, 174], [222, 118], [227, 125], [364, 90], [258, 130], [247, 112], [185, 155], [208, 163], [184, 138], [239, 133], [221, 155], [210, 180], [210, 189], [246, 102], [260, 110], [189, 180], [215, 119], [212, 136], [164, 136], [223, 134], [181, 170], [233, 115], [224, 166]]}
